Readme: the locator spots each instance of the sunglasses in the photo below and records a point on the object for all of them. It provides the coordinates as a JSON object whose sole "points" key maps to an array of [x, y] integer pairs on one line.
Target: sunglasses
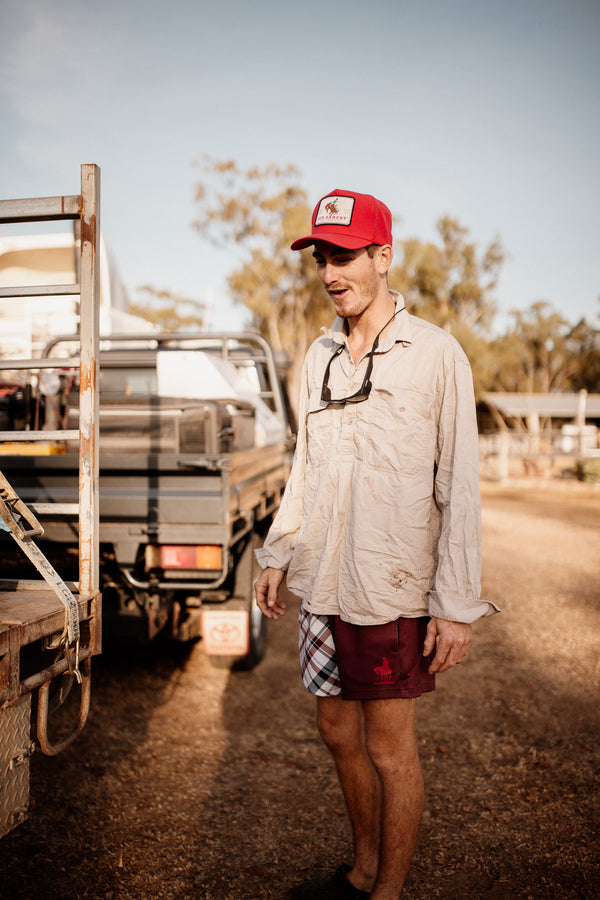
{"points": [[365, 389]]}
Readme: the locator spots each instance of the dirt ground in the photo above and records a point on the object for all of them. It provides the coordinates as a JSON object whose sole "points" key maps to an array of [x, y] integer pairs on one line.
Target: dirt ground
{"points": [[190, 782]]}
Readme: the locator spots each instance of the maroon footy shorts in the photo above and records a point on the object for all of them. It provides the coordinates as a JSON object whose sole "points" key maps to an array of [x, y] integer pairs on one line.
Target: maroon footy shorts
{"points": [[378, 662]]}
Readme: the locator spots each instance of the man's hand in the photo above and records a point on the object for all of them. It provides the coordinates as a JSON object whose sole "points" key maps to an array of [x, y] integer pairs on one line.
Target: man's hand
{"points": [[266, 589], [454, 640]]}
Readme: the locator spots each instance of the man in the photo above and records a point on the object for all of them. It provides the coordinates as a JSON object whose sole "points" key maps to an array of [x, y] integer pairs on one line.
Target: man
{"points": [[378, 531]]}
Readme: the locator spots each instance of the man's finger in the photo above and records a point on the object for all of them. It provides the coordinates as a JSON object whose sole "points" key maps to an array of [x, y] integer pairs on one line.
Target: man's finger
{"points": [[447, 656], [430, 637]]}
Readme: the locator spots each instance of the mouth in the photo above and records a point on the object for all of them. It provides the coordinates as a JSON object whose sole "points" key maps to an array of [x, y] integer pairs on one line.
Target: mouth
{"points": [[337, 293]]}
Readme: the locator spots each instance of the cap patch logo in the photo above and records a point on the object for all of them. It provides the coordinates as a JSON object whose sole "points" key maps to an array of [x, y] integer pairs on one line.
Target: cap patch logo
{"points": [[335, 211]]}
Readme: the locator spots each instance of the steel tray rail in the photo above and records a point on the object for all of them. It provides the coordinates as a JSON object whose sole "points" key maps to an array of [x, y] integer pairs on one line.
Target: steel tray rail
{"points": [[48, 619]]}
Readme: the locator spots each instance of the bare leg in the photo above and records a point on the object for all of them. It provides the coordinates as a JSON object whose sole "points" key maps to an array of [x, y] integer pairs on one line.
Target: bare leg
{"points": [[392, 747], [341, 726]]}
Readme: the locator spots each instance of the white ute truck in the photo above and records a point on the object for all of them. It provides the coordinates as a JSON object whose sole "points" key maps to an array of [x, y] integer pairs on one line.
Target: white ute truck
{"points": [[194, 450], [144, 468]]}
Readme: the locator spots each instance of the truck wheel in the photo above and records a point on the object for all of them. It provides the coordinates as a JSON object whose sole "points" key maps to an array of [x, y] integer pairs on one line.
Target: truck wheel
{"points": [[257, 640]]}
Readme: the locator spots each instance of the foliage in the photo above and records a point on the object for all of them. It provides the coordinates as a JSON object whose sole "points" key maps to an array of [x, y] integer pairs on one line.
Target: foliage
{"points": [[450, 284], [589, 470], [171, 314], [259, 212], [543, 352], [585, 343], [453, 285]]}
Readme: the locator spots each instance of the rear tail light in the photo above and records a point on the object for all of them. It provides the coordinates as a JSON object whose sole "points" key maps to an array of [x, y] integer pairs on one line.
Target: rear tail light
{"points": [[202, 557]]}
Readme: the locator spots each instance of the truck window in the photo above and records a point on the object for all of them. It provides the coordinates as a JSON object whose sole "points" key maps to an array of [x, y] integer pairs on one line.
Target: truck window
{"points": [[131, 382]]}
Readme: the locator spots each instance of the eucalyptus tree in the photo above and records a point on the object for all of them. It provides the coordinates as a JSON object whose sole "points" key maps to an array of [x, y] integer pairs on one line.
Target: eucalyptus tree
{"points": [[452, 283], [256, 213]]}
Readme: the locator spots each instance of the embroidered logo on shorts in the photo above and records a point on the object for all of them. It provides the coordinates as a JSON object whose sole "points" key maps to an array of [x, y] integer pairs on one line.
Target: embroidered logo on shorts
{"points": [[335, 211], [383, 672]]}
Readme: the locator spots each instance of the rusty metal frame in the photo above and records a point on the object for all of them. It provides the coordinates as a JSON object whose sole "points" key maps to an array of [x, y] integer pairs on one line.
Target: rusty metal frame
{"points": [[46, 745], [84, 211], [89, 328]]}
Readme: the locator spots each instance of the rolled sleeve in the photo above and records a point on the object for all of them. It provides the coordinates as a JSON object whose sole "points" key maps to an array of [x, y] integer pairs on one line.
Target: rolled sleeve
{"points": [[456, 592]]}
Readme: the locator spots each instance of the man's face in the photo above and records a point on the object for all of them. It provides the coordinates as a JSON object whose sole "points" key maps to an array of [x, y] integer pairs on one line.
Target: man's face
{"points": [[350, 277]]}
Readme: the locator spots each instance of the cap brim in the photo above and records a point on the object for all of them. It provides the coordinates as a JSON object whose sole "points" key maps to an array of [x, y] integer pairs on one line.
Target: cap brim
{"points": [[349, 242]]}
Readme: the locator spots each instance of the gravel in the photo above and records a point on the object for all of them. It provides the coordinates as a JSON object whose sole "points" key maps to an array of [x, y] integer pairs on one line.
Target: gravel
{"points": [[191, 782]]}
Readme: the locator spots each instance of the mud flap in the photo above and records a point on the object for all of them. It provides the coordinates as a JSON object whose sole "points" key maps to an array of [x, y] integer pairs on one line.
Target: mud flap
{"points": [[225, 632]]}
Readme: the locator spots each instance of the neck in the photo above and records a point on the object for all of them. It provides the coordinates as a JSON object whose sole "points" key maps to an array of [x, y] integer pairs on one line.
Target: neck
{"points": [[363, 329]]}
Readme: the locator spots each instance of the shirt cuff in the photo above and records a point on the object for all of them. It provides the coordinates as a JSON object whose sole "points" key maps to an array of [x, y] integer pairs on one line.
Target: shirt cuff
{"points": [[459, 609], [267, 559]]}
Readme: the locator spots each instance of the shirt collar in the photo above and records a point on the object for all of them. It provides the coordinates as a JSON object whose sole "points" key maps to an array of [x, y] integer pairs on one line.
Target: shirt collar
{"points": [[398, 331]]}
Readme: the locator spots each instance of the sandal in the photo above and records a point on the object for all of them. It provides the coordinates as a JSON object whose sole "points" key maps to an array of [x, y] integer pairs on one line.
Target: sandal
{"points": [[346, 890]]}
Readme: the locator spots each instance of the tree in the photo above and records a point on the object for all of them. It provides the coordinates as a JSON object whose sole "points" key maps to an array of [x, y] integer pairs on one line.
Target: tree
{"points": [[539, 354], [450, 284], [258, 212], [585, 341], [170, 315], [453, 286]]}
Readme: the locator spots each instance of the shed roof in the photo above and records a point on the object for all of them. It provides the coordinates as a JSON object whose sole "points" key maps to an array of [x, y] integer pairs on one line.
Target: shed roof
{"points": [[557, 406]]}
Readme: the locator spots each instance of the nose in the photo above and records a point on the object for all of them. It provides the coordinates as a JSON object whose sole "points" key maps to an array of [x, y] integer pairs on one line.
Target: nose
{"points": [[329, 273]]}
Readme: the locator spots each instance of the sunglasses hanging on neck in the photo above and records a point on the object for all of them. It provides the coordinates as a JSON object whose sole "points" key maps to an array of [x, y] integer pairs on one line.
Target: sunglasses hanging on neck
{"points": [[365, 389]]}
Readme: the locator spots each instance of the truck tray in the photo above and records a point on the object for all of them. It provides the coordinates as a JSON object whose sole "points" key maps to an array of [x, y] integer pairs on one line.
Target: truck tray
{"points": [[28, 614]]}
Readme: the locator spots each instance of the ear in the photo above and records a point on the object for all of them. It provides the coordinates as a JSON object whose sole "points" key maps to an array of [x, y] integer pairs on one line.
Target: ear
{"points": [[384, 258]]}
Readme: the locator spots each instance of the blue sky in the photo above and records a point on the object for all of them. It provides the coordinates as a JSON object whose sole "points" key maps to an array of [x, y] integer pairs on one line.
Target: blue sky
{"points": [[487, 111]]}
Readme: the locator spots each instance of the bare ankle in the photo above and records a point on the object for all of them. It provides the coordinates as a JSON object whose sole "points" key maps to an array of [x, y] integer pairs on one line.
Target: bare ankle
{"points": [[363, 877]]}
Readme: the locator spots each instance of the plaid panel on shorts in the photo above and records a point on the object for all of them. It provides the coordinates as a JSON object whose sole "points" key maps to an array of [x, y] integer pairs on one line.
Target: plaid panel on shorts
{"points": [[317, 655]]}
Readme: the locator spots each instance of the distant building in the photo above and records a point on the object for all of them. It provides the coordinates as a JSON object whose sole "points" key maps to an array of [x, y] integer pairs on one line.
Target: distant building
{"points": [[537, 431]]}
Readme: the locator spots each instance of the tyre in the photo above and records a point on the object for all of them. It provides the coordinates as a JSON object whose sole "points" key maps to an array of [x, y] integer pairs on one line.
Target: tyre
{"points": [[257, 640]]}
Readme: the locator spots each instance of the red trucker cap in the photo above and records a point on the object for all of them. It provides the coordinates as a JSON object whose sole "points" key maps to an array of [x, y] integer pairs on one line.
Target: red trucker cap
{"points": [[350, 220]]}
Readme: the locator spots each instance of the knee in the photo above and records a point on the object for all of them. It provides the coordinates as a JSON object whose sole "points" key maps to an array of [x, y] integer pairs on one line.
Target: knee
{"points": [[339, 725], [393, 758]]}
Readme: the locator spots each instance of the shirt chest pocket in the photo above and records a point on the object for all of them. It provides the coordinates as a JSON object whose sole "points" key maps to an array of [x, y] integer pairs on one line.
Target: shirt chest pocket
{"points": [[397, 431]]}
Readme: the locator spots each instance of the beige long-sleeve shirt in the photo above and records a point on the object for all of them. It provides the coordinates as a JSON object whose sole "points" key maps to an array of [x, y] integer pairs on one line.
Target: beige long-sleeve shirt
{"points": [[381, 514]]}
